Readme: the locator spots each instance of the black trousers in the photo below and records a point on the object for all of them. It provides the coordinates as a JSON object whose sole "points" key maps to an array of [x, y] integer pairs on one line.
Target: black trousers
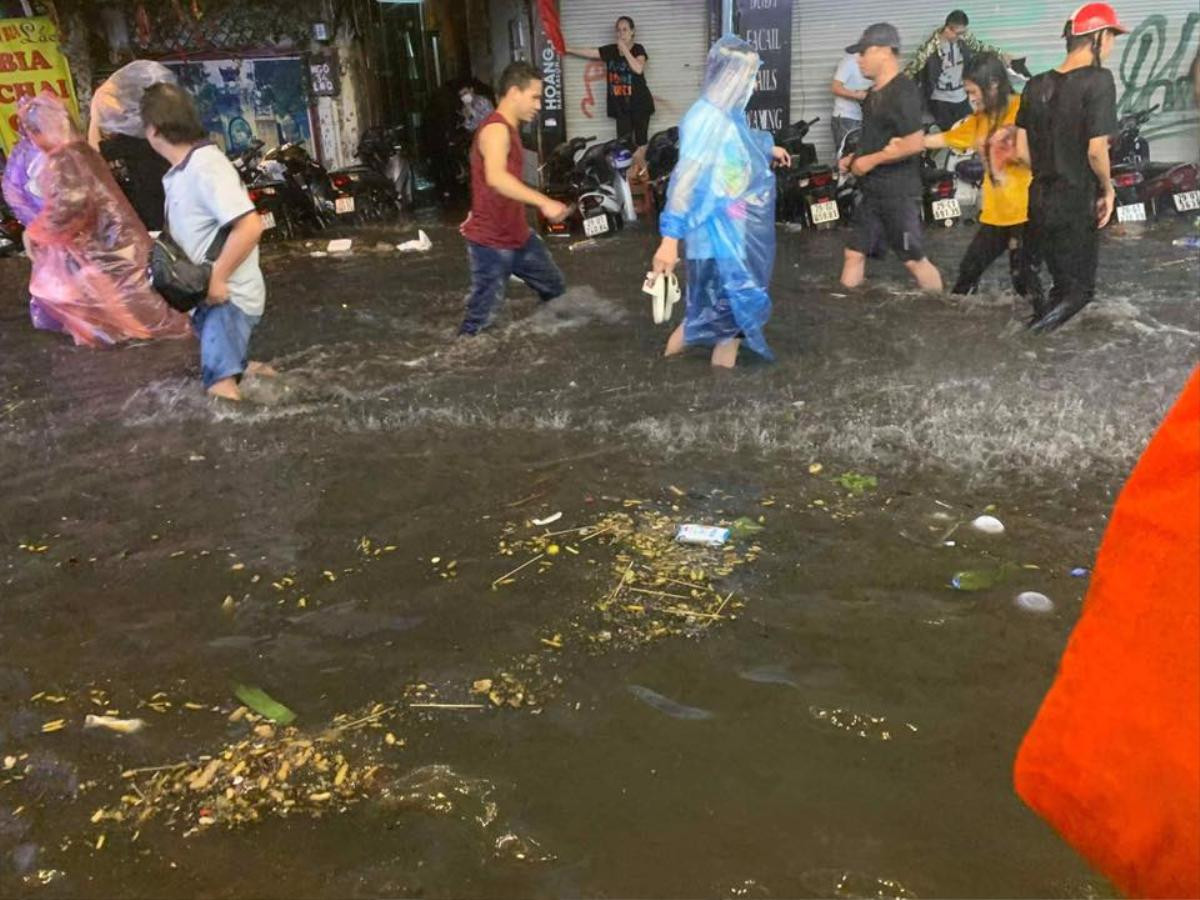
{"points": [[1062, 231], [635, 125], [989, 243], [947, 115]]}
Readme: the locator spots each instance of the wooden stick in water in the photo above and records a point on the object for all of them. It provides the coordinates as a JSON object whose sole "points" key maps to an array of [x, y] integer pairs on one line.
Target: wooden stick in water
{"points": [[517, 569]]}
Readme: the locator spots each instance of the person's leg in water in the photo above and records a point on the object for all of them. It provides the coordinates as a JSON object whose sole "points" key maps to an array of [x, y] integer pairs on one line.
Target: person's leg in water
{"points": [[1023, 265], [901, 222], [929, 279], [985, 248], [533, 265], [1071, 246], [224, 332], [490, 269], [865, 240], [854, 268]]}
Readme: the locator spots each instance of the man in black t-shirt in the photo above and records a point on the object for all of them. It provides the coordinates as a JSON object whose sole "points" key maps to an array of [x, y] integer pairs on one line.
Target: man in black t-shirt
{"points": [[1064, 122], [628, 98], [887, 166]]}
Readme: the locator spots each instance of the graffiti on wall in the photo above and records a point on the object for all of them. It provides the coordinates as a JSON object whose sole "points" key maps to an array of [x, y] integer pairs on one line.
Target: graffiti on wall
{"points": [[1155, 72], [240, 100]]}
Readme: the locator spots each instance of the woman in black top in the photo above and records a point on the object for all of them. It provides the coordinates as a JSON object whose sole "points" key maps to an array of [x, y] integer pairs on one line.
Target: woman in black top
{"points": [[629, 100]]}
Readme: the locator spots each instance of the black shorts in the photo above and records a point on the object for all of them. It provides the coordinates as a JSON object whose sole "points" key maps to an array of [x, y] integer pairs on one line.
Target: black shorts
{"points": [[888, 222]]}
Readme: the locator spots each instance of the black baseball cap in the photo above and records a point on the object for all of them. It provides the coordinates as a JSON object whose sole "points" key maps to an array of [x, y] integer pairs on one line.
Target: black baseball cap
{"points": [[881, 34]]}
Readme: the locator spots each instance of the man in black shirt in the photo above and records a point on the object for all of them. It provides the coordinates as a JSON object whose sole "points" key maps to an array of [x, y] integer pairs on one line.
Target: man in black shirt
{"points": [[886, 165], [1064, 122]]}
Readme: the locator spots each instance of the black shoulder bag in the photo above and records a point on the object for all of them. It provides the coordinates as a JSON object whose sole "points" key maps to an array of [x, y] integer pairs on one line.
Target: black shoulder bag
{"points": [[181, 282]]}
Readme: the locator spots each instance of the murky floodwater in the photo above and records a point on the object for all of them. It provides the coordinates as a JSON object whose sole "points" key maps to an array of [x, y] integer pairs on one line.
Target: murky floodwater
{"points": [[845, 727]]}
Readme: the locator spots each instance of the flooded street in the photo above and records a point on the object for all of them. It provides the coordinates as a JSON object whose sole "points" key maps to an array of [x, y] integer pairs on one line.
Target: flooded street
{"points": [[841, 722]]}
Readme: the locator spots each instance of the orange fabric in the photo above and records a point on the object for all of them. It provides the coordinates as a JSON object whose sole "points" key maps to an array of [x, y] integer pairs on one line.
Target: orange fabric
{"points": [[1112, 760]]}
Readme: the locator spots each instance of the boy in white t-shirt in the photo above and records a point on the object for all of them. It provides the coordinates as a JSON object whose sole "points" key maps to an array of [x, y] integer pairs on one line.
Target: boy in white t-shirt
{"points": [[204, 196], [849, 88]]}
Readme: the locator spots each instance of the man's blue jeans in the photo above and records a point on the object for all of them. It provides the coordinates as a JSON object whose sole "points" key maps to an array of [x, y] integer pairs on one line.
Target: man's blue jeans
{"points": [[490, 269]]}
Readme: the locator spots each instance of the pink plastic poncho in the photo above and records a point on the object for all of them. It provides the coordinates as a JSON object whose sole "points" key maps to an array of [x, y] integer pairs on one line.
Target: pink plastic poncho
{"points": [[90, 251]]}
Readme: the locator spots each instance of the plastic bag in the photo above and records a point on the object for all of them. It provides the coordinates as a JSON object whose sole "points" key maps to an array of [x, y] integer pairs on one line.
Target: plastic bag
{"points": [[90, 251], [20, 180], [117, 104], [721, 202]]}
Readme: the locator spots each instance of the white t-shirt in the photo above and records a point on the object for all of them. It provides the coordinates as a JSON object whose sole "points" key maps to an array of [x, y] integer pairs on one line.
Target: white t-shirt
{"points": [[205, 193], [852, 77], [949, 87]]}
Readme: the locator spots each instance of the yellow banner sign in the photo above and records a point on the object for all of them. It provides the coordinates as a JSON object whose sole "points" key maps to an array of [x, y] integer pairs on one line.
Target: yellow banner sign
{"points": [[30, 62]]}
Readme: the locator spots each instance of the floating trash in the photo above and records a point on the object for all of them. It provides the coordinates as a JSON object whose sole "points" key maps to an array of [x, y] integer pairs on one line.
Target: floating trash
{"points": [[979, 579], [1080, 572], [988, 525], [667, 705], [1033, 601], [704, 535], [111, 723]]}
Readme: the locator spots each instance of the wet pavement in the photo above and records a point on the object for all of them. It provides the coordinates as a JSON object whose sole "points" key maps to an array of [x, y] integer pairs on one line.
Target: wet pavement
{"points": [[844, 725]]}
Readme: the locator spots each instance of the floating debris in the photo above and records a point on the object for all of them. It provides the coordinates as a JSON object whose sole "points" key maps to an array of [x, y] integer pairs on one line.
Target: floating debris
{"points": [[988, 525], [111, 723], [264, 704], [667, 705]]}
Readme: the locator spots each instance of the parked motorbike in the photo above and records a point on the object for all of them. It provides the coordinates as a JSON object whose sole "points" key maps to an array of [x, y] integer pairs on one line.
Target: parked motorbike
{"points": [[560, 183], [1145, 188], [323, 201], [848, 193], [373, 183], [602, 178], [269, 195], [939, 187], [593, 178], [383, 150], [807, 191], [662, 153]]}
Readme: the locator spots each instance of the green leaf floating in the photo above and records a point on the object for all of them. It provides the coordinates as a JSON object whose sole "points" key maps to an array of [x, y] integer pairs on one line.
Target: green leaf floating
{"points": [[264, 704], [745, 526]]}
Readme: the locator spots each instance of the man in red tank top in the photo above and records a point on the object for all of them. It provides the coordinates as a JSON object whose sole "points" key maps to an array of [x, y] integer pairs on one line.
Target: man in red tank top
{"points": [[500, 242]]}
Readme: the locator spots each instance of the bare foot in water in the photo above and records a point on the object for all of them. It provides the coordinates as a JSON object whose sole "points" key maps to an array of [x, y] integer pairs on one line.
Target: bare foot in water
{"points": [[724, 355], [675, 344], [225, 389], [260, 369]]}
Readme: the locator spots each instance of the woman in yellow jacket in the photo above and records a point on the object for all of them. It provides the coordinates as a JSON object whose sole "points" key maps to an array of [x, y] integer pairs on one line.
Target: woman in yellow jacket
{"points": [[991, 130]]}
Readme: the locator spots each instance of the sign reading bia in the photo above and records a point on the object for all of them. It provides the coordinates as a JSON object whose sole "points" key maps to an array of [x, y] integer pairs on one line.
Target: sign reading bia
{"points": [[767, 25], [30, 62]]}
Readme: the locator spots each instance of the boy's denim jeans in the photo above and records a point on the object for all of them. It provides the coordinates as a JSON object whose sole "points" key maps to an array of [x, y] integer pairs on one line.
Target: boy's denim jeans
{"points": [[490, 269]]}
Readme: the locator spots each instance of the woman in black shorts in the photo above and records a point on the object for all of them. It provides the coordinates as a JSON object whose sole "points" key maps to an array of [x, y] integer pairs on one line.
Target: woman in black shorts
{"points": [[629, 99]]}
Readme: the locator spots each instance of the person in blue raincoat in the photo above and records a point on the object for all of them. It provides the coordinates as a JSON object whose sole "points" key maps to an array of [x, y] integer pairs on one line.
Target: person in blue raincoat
{"points": [[721, 203]]}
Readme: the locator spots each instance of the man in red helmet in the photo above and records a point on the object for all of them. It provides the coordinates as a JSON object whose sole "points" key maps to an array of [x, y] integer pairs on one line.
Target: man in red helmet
{"points": [[1064, 122]]}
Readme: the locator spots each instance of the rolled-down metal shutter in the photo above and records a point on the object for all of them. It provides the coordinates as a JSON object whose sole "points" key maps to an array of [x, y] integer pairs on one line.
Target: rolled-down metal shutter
{"points": [[675, 35], [1150, 65]]}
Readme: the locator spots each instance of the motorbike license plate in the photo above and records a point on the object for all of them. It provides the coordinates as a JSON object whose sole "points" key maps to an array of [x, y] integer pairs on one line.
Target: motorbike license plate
{"points": [[595, 225], [946, 209], [1131, 212], [1187, 200], [826, 211], [343, 205], [268, 220]]}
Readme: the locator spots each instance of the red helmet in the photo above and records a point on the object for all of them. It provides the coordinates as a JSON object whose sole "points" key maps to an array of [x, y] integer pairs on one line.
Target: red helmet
{"points": [[1093, 17]]}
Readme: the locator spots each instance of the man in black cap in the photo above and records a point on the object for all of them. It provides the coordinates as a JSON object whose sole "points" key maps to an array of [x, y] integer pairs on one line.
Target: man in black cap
{"points": [[886, 165]]}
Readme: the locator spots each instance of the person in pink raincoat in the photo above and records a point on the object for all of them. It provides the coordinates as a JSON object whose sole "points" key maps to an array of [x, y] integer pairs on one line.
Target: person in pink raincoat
{"points": [[88, 248]]}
